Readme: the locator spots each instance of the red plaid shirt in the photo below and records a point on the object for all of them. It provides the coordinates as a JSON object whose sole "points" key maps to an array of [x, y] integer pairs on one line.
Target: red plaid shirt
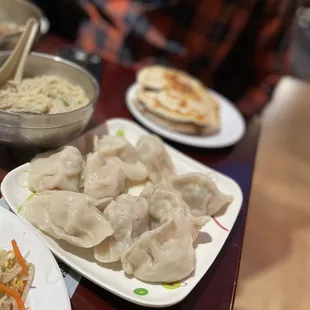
{"points": [[238, 47]]}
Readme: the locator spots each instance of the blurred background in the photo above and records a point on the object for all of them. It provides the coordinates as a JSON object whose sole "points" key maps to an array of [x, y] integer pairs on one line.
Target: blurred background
{"points": [[67, 26], [301, 43], [62, 23]]}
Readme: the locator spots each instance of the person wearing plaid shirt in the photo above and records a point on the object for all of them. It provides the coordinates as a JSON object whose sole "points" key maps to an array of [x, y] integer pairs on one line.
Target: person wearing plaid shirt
{"points": [[238, 47]]}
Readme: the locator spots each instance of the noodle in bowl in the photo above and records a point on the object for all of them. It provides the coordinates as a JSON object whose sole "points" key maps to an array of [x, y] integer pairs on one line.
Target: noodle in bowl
{"points": [[48, 94], [50, 106]]}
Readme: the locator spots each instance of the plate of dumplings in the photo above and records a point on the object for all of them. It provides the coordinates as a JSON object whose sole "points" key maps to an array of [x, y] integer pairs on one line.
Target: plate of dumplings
{"points": [[128, 212]]}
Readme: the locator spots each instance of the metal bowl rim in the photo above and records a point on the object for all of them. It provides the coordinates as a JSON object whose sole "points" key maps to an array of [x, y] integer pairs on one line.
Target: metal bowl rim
{"points": [[66, 62]]}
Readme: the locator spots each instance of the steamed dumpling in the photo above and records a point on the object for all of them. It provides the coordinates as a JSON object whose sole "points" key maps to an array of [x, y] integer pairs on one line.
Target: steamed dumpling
{"points": [[56, 171], [200, 193], [129, 218], [68, 216], [122, 153], [154, 155], [165, 204], [103, 179], [165, 254]]}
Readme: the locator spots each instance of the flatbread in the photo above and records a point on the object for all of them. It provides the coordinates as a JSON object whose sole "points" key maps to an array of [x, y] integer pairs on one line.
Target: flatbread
{"points": [[163, 78], [171, 106], [177, 101], [186, 128]]}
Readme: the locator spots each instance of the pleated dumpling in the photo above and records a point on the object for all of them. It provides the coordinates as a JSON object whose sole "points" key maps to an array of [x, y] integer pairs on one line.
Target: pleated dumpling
{"points": [[129, 217], [154, 155], [122, 153], [165, 204], [200, 192], [56, 171], [103, 179], [165, 254], [68, 216]]}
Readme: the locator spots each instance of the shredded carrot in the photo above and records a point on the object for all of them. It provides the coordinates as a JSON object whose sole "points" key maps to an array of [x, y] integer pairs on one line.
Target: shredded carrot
{"points": [[15, 295], [20, 258]]}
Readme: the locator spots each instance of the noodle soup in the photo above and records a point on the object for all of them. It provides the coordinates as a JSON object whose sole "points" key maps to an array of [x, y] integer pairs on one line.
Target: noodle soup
{"points": [[50, 106], [48, 94]]}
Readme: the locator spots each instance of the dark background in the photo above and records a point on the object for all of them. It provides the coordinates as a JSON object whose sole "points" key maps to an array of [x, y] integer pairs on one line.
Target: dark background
{"points": [[66, 25]]}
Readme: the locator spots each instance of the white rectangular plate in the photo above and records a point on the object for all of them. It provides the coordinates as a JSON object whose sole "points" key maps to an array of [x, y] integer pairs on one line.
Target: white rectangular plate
{"points": [[111, 277]]}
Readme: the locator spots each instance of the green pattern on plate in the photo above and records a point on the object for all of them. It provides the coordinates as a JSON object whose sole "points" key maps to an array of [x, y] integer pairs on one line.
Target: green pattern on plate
{"points": [[172, 286], [141, 291], [16, 178], [21, 207], [120, 132]]}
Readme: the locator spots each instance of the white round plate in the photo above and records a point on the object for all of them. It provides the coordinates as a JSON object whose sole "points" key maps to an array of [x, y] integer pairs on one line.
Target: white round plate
{"points": [[49, 291], [232, 124]]}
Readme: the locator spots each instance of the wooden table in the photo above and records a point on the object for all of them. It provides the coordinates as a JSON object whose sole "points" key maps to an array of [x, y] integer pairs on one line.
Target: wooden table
{"points": [[216, 290], [275, 265]]}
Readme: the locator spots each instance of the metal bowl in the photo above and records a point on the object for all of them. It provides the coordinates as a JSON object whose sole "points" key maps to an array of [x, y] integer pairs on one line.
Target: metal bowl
{"points": [[17, 11], [49, 130]]}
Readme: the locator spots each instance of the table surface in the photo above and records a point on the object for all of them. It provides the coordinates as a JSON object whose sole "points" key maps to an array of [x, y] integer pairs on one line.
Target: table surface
{"points": [[217, 287], [275, 266]]}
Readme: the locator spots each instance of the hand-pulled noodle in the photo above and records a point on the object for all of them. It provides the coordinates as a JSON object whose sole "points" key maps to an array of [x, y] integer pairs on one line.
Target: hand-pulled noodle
{"points": [[44, 94]]}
